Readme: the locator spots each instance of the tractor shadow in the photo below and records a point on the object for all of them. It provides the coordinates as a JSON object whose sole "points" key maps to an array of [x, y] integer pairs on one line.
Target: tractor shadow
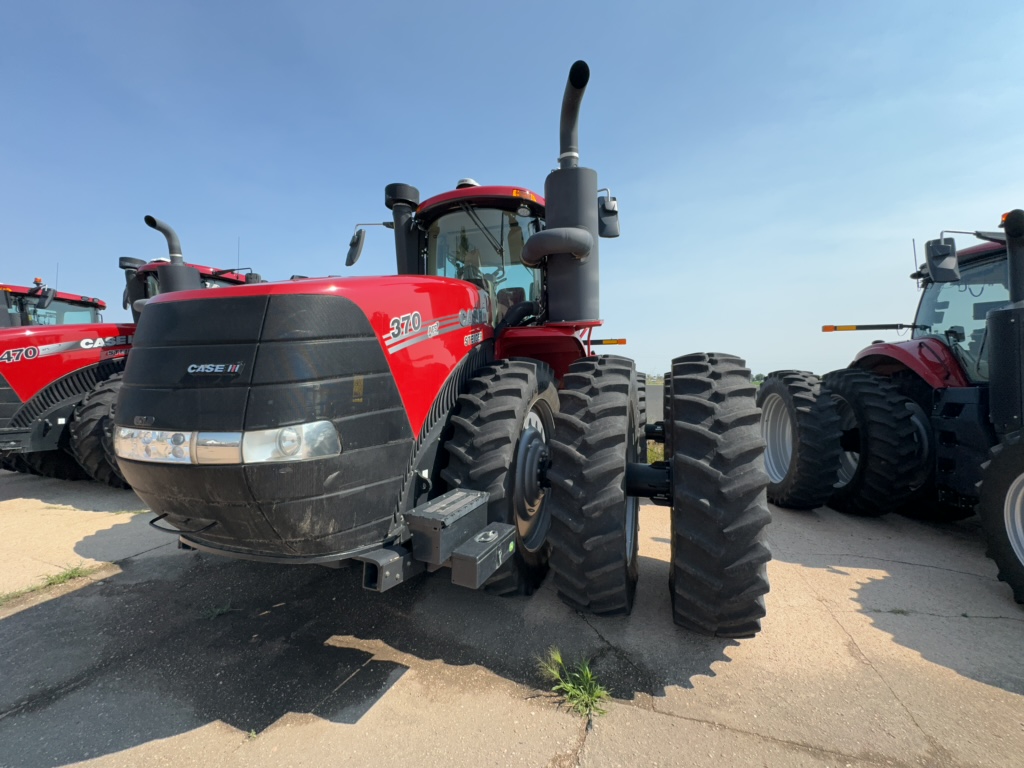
{"points": [[178, 640], [927, 585]]}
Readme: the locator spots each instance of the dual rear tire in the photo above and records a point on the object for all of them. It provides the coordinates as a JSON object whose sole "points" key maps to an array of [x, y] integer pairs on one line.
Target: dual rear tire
{"points": [[718, 571], [851, 441]]}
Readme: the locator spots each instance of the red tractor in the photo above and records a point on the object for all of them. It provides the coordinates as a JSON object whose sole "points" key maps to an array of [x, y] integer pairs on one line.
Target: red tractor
{"points": [[931, 425], [452, 415], [60, 367]]}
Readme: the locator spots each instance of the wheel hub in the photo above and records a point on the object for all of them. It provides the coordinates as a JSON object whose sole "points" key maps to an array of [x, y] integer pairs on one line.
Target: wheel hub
{"points": [[850, 441], [530, 485]]}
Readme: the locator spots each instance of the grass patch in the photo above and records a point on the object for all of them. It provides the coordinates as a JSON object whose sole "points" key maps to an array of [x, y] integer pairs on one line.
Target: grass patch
{"points": [[131, 511], [68, 574], [655, 451], [578, 685]]}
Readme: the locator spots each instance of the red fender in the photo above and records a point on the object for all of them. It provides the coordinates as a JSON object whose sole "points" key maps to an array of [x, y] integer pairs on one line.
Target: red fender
{"points": [[929, 358]]}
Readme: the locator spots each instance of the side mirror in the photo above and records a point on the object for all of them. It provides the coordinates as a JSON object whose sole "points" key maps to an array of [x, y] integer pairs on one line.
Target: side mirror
{"points": [[942, 263], [253, 277], [355, 247], [46, 298], [607, 216]]}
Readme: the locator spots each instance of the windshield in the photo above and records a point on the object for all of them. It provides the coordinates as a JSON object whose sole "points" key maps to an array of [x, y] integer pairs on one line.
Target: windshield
{"points": [[58, 312], [955, 312], [485, 247]]}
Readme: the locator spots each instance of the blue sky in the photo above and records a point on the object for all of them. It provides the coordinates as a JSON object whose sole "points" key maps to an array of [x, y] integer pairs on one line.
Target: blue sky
{"points": [[772, 161]]}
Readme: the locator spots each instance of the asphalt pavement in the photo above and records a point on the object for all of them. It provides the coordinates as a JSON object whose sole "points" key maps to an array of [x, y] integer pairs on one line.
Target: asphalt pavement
{"points": [[887, 642]]}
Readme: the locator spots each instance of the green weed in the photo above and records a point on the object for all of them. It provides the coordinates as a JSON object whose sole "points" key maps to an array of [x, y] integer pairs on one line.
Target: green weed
{"points": [[578, 685], [69, 574]]}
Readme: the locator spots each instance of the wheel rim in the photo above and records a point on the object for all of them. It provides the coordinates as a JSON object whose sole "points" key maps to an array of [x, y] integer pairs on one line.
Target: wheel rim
{"points": [[1013, 516], [848, 460], [923, 437], [532, 459], [777, 432]]}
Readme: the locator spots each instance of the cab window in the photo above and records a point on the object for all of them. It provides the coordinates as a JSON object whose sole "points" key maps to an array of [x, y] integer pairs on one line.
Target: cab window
{"points": [[485, 247]]}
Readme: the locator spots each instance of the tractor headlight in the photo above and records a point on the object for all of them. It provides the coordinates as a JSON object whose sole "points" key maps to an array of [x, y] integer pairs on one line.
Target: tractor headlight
{"points": [[297, 442], [153, 445]]}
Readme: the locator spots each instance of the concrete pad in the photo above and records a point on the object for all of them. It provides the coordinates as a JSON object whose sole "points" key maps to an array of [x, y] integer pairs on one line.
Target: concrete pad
{"points": [[628, 737], [43, 523], [866, 657]]}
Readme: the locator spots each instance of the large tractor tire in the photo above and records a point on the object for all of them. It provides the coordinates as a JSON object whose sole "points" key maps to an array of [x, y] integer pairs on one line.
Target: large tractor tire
{"points": [[93, 418], [800, 428], [1001, 509], [881, 457], [719, 576], [58, 464], [501, 426], [594, 524]]}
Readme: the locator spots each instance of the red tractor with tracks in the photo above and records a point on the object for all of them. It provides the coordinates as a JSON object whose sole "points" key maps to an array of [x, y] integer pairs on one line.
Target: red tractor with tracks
{"points": [[930, 425], [60, 366], [451, 415]]}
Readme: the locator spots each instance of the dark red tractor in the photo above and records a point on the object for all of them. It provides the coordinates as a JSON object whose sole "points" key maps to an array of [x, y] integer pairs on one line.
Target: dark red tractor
{"points": [[452, 415], [930, 426], [60, 366]]}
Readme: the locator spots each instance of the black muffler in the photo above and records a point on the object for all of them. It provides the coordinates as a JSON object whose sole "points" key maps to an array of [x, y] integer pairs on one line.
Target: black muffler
{"points": [[568, 244], [177, 275]]}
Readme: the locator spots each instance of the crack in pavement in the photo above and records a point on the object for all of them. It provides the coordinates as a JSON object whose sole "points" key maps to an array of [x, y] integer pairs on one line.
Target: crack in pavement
{"points": [[571, 759], [886, 761], [864, 657], [805, 555], [912, 612]]}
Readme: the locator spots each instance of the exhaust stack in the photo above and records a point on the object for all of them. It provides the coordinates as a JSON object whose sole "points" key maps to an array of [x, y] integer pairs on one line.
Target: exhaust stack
{"points": [[569, 244], [176, 276]]}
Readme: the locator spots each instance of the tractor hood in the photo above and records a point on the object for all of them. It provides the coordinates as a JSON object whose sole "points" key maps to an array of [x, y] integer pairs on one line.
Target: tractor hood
{"points": [[221, 386]]}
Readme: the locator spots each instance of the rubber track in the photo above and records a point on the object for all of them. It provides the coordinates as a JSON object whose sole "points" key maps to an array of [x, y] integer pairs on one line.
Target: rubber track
{"points": [[718, 575], [814, 466], [885, 471], [486, 426], [591, 569], [92, 416]]}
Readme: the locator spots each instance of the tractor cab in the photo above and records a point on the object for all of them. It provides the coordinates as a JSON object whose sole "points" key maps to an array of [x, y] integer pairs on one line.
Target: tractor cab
{"points": [[39, 305], [956, 300], [477, 234]]}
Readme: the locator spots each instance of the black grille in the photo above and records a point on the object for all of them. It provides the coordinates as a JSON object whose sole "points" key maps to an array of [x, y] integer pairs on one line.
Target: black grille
{"points": [[72, 387]]}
